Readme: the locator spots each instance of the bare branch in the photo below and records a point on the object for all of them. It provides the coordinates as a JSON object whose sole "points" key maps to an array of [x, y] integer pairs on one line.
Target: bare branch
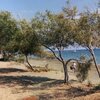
{"points": [[71, 60], [94, 59], [52, 52], [60, 55]]}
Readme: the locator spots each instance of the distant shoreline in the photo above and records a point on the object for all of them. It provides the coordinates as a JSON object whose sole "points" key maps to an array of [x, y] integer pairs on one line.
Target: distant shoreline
{"points": [[73, 49], [77, 53]]}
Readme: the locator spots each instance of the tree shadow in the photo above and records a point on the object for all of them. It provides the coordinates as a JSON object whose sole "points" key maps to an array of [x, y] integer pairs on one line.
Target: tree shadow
{"points": [[77, 91], [66, 93], [22, 80], [10, 70], [46, 83], [49, 84], [46, 97], [53, 83]]}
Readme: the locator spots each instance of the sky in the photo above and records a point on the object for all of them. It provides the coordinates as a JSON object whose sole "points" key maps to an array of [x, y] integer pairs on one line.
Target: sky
{"points": [[28, 8]]}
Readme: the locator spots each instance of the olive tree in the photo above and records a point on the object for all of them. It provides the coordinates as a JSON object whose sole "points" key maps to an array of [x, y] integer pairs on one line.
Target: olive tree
{"points": [[55, 32], [87, 34], [25, 41], [8, 28]]}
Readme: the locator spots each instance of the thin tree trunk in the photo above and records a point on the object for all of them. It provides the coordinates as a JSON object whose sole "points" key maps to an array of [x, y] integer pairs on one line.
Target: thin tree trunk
{"points": [[66, 76], [94, 59], [29, 65]]}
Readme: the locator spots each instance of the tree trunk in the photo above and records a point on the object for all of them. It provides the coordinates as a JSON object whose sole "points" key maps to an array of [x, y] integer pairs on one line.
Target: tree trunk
{"points": [[94, 59], [29, 65], [60, 58], [66, 76]]}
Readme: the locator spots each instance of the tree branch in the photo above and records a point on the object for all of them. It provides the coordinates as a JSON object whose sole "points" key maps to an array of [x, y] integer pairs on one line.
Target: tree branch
{"points": [[70, 60], [94, 59], [60, 55], [53, 52]]}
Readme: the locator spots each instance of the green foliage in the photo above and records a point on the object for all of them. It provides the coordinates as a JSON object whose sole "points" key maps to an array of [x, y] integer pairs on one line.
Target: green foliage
{"points": [[55, 30], [8, 28], [86, 32], [97, 87], [51, 30], [49, 55], [45, 54], [83, 69], [26, 41], [70, 12]]}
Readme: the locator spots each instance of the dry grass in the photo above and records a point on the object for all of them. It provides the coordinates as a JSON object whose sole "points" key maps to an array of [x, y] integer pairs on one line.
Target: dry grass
{"points": [[16, 83]]}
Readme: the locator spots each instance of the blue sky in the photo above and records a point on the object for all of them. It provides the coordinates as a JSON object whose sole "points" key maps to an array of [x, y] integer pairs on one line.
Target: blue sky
{"points": [[28, 8]]}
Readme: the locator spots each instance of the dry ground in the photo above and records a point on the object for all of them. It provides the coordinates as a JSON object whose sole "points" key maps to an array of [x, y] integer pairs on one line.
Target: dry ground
{"points": [[16, 83]]}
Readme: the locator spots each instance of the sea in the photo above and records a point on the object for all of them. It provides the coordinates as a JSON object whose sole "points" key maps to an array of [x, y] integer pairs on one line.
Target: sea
{"points": [[68, 54]]}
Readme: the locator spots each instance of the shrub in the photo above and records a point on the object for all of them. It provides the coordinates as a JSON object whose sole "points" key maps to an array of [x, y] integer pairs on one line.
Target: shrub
{"points": [[97, 87], [83, 69]]}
